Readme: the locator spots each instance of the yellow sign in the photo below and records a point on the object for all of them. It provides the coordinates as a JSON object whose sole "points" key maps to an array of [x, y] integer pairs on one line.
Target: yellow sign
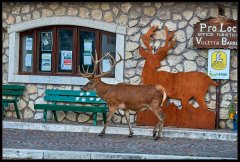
{"points": [[219, 60], [218, 63]]}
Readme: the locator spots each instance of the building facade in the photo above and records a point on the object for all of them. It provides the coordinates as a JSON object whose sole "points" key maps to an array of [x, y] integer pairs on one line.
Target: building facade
{"points": [[113, 23]]}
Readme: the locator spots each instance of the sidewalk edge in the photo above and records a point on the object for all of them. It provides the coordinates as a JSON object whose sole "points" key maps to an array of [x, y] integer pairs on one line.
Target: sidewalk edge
{"points": [[9, 153]]}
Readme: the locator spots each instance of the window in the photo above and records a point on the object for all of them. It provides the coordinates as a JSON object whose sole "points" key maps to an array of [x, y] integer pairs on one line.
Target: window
{"points": [[64, 50], [42, 73]]}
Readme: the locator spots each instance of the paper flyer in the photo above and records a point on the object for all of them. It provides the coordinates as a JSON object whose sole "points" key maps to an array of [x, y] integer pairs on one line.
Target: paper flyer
{"points": [[46, 62], [28, 60], [106, 66], [66, 60], [87, 60], [29, 42]]}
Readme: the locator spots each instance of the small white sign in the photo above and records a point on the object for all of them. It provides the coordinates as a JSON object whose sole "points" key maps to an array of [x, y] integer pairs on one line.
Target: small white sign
{"points": [[29, 42], [28, 60], [218, 63], [106, 66], [46, 62], [87, 59], [66, 60], [87, 52]]}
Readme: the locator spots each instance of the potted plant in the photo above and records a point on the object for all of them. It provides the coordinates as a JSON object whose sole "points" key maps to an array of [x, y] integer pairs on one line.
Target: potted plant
{"points": [[233, 115]]}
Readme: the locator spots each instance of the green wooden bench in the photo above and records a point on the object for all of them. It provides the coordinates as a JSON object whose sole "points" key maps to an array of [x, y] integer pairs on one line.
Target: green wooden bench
{"points": [[73, 97], [12, 94]]}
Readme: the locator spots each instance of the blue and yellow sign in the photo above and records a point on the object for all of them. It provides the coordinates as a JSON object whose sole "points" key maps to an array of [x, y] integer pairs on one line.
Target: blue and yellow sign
{"points": [[218, 63]]}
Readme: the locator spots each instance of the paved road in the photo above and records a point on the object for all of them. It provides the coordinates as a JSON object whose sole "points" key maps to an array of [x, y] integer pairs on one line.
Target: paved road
{"points": [[90, 142]]}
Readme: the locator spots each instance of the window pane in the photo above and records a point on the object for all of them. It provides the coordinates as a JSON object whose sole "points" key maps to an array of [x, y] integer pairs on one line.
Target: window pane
{"points": [[108, 45], [65, 49], [46, 44], [87, 49], [27, 53]]}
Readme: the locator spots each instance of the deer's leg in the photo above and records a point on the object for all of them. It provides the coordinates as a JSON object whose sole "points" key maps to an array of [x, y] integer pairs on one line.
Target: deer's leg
{"points": [[160, 116], [161, 125], [126, 113], [155, 129], [110, 115]]}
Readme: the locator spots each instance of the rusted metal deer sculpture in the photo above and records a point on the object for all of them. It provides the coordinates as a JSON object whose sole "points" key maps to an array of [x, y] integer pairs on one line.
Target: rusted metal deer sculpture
{"points": [[182, 85], [126, 96]]}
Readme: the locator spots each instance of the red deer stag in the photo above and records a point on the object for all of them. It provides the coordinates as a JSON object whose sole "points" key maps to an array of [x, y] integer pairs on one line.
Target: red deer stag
{"points": [[126, 96], [182, 85]]}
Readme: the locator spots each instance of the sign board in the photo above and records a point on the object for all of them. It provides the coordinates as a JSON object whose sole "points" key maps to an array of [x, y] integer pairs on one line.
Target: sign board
{"points": [[218, 32], [218, 63]]}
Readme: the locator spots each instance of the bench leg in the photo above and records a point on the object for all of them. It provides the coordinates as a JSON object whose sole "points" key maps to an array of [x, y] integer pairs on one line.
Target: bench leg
{"points": [[55, 115], [45, 116], [16, 109], [104, 117], [95, 118], [3, 110]]}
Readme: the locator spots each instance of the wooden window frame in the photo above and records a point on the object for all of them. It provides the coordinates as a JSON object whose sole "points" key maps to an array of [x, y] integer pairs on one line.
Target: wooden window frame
{"points": [[75, 54], [100, 48], [23, 34], [37, 41]]}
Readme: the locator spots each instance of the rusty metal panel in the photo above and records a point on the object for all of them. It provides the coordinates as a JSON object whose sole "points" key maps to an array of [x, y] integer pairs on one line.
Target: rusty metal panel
{"points": [[218, 32]]}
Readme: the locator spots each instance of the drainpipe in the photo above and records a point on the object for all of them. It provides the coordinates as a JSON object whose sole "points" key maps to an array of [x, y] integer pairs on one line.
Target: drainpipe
{"points": [[218, 91]]}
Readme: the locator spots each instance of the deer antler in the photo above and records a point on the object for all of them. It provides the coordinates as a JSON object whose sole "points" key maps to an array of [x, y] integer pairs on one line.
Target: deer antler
{"points": [[86, 74], [163, 50], [147, 37], [112, 66]]}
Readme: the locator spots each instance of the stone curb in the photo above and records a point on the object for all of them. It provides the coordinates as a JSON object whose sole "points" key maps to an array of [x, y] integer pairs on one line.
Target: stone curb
{"points": [[167, 132], [50, 154]]}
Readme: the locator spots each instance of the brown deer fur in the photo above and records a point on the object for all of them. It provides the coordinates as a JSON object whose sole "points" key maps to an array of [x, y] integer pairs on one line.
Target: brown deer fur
{"points": [[129, 97], [182, 85]]}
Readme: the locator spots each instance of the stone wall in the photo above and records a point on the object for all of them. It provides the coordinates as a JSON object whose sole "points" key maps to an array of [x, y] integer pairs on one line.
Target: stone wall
{"points": [[137, 17]]}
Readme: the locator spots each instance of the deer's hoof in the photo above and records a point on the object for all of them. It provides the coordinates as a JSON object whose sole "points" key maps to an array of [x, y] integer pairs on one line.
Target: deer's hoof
{"points": [[156, 137], [100, 134], [154, 133], [130, 135]]}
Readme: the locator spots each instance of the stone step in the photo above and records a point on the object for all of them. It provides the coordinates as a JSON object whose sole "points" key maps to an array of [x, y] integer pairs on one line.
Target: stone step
{"points": [[225, 135], [30, 154]]}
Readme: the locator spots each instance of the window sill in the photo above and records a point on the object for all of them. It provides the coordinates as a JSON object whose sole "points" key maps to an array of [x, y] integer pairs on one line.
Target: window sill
{"points": [[57, 80]]}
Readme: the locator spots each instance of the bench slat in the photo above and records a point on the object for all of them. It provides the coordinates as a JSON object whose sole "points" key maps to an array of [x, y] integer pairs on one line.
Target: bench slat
{"points": [[12, 93], [71, 108], [93, 100], [13, 87], [8, 100], [73, 96], [70, 93], [5, 103]]}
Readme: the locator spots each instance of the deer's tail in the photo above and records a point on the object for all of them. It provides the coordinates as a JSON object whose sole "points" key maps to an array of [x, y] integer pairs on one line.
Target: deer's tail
{"points": [[163, 90], [213, 83]]}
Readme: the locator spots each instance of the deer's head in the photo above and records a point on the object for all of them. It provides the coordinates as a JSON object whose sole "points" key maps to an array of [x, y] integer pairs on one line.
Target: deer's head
{"points": [[94, 78], [153, 60]]}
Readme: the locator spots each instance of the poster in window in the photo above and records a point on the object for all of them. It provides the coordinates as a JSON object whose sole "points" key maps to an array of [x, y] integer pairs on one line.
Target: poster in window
{"points": [[66, 60], [46, 62], [28, 60], [87, 52], [29, 42], [106, 66], [46, 41]]}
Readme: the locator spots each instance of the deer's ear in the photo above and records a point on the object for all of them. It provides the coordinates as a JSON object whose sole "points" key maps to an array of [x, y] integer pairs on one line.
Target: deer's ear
{"points": [[143, 52]]}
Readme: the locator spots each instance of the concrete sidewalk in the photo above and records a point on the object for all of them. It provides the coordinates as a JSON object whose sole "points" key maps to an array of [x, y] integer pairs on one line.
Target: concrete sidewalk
{"points": [[70, 141]]}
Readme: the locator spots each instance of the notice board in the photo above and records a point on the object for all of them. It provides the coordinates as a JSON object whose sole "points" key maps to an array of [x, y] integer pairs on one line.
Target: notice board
{"points": [[218, 32]]}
